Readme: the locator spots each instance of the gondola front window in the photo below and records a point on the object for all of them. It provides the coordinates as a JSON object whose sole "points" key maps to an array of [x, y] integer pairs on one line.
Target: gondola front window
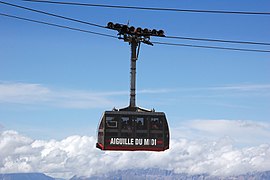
{"points": [[126, 123], [156, 123], [140, 123], [111, 122]]}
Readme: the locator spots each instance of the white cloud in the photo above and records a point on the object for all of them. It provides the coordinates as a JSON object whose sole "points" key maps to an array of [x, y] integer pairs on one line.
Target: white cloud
{"points": [[33, 94], [229, 88], [244, 133], [22, 93], [77, 155], [1, 127], [37, 94], [156, 91], [244, 87], [234, 90]]}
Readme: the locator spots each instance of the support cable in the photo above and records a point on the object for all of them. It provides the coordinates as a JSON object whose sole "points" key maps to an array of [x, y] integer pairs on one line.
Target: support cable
{"points": [[57, 25], [153, 8], [169, 37], [218, 40], [212, 47], [51, 14], [111, 36]]}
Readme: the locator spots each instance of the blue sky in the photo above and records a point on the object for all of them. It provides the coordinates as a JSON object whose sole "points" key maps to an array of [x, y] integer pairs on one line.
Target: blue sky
{"points": [[56, 82]]}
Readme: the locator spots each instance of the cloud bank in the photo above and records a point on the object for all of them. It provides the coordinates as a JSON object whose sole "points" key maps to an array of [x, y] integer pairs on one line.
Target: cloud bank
{"points": [[77, 155], [242, 132]]}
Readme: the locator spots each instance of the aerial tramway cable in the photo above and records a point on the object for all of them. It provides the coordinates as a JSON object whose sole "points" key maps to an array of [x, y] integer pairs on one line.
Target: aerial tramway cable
{"points": [[52, 14], [57, 25], [153, 8], [111, 36], [168, 36]]}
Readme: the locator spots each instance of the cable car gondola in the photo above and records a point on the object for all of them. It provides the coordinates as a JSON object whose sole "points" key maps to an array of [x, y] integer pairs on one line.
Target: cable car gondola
{"points": [[133, 128]]}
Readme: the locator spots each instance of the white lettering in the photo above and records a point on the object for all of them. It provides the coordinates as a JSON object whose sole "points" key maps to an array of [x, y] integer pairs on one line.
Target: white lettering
{"points": [[146, 142], [153, 142], [132, 141], [122, 141], [138, 142], [112, 141]]}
